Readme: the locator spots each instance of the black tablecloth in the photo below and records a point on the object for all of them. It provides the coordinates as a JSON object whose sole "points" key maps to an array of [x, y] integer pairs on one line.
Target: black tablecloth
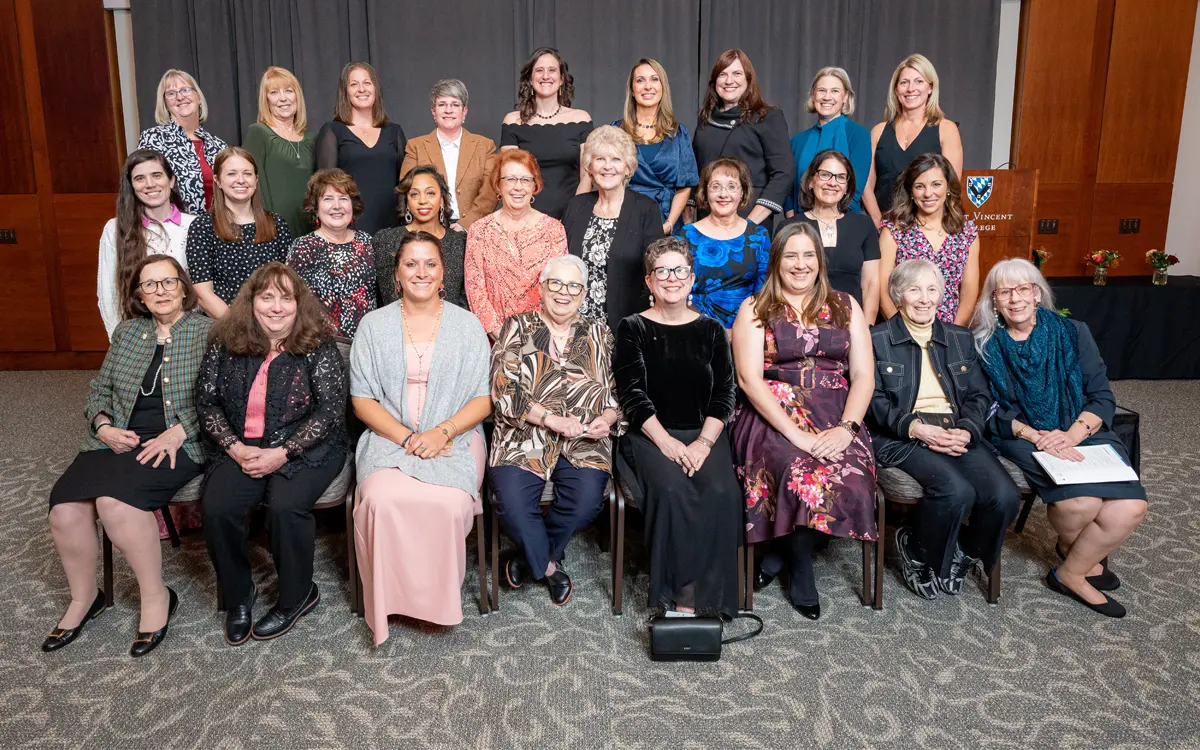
{"points": [[1144, 331]]}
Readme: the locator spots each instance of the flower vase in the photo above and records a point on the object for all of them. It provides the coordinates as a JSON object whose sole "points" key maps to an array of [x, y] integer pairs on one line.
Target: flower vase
{"points": [[1100, 276], [1160, 277]]}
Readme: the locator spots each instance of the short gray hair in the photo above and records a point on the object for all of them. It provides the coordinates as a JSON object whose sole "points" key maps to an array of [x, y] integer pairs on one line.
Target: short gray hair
{"points": [[611, 137], [906, 274], [570, 260], [1011, 271], [448, 87]]}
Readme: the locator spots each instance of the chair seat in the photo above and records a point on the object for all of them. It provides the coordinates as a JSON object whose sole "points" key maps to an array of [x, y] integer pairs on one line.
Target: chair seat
{"points": [[899, 487], [1017, 476], [335, 493], [190, 492]]}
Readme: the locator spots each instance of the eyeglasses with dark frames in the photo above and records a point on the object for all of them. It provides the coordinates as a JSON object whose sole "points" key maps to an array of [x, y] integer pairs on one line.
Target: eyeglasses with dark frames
{"points": [[574, 288], [662, 273], [169, 284]]}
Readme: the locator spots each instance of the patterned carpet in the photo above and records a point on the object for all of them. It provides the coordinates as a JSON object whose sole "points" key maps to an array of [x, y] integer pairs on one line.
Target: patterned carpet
{"points": [[1035, 671]]}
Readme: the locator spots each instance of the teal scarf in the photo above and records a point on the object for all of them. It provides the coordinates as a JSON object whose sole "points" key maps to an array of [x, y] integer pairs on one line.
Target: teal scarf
{"points": [[1040, 376]]}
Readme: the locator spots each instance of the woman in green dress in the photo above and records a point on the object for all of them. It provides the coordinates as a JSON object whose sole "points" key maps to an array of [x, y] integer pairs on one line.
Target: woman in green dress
{"points": [[283, 149]]}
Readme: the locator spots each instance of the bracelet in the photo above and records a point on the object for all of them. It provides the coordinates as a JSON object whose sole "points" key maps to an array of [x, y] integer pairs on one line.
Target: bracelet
{"points": [[404, 442], [1086, 426], [444, 430], [704, 441]]}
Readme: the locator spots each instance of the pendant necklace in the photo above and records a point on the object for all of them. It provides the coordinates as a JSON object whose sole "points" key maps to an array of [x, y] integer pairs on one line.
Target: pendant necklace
{"points": [[421, 354]]}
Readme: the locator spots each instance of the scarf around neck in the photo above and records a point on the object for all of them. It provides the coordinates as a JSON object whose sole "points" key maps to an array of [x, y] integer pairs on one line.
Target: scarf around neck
{"points": [[1040, 376]]}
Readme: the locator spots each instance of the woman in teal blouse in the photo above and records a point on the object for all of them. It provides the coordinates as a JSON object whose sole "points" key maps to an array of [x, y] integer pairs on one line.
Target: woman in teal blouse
{"points": [[831, 98], [282, 147]]}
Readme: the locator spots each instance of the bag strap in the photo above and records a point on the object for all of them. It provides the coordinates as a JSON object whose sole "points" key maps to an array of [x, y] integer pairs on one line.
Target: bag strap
{"points": [[745, 636]]}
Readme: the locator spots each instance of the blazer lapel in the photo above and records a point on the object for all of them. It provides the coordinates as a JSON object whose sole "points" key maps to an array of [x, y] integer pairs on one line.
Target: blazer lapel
{"points": [[435, 152], [466, 152]]}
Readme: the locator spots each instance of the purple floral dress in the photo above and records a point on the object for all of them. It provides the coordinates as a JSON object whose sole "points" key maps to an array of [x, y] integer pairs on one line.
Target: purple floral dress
{"points": [[951, 258], [786, 488]]}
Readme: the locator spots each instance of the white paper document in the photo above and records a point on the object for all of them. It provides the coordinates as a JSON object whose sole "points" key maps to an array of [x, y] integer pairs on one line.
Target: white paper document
{"points": [[1100, 464]]}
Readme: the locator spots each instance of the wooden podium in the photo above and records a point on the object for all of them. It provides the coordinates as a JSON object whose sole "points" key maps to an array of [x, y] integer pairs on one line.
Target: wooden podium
{"points": [[1002, 204]]}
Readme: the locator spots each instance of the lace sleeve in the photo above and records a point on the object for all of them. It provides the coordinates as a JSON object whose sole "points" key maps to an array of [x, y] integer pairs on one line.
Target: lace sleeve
{"points": [[328, 377], [210, 406]]}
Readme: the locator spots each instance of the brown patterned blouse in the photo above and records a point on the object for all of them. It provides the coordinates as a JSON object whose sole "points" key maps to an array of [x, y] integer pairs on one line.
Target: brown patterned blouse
{"points": [[523, 373]]}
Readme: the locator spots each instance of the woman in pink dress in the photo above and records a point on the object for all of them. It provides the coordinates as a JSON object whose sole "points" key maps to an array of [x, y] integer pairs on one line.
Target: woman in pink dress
{"points": [[419, 381]]}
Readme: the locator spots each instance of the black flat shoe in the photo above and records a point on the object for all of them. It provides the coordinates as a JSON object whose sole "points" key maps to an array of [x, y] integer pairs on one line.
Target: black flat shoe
{"points": [[144, 643], [1106, 581], [811, 611], [60, 637], [279, 621], [1110, 607], [762, 580], [560, 586], [238, 620], [516, 571]]}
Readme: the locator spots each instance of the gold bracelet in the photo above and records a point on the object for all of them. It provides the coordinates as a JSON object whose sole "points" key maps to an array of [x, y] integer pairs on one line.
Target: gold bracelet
{"points": [[704, 441], [1086, 426]]}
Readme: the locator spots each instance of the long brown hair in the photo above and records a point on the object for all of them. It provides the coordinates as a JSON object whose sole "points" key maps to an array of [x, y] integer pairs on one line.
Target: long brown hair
{"points": [[223, 225], [131, 239], [133, 307], [752, 105], [343, 110], [904, 210], [238, 330], [526, 101], [664, 120], [769, 303]]}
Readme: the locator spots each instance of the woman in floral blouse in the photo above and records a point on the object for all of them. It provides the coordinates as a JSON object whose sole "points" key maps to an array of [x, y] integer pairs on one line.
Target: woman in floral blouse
{"points": [[555, 408]]}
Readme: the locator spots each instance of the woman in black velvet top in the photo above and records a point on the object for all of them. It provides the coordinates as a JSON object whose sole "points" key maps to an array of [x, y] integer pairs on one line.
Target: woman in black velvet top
{"points": [[674, 376]]}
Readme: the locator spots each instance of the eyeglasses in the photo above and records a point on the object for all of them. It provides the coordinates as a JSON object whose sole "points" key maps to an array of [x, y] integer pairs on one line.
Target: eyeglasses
{"points": [[170, 95], [718, 189], [662, 273], [169, 284], [573, 288], [825, 176], [1024, 291], [522, 181]]}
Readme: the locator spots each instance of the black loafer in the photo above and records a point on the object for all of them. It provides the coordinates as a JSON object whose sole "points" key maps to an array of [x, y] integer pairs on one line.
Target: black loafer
{"points": [[560, 586], [1106, 581], [1110, 608], [238, 620], [60, 637], [279, 621], [811, 611], [144, 643], [516, 571], [762, 580]]}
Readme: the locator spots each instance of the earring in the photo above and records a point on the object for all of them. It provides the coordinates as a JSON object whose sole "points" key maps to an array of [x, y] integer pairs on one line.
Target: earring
{"points": [[689, 300], [652, 300], [441, 215], [531, 199], [408, 217], [442, 291], [316, 223]]}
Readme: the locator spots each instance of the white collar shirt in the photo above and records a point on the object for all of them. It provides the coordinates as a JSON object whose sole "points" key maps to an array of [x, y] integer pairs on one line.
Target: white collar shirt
{"points": [[450, 150]]}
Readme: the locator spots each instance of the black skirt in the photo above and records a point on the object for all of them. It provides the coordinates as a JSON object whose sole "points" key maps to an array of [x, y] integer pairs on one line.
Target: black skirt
{"points": [[1020, 452], [102, 473]]}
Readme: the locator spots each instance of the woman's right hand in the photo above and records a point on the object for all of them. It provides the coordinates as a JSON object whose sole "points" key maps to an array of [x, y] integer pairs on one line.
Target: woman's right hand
{"points": [[674, 450], [568, 427], [937, 439], [120, 441]]}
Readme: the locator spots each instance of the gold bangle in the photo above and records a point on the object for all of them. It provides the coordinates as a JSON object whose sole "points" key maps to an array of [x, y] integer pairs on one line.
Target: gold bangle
{"points": [[1087, 428], [704, 441]]}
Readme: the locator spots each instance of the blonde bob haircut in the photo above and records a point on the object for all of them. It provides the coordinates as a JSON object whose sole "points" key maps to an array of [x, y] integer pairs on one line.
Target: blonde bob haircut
{"points": [[841, 75], [281, 78], [921, 64], [611, 138], [162, 115]]}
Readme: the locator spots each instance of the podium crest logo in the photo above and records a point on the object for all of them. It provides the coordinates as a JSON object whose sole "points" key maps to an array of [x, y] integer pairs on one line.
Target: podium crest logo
{"points": [[979, 189]]}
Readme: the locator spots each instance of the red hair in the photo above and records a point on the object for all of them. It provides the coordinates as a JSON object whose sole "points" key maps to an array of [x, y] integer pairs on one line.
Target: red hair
{"points": [[524, 158]]}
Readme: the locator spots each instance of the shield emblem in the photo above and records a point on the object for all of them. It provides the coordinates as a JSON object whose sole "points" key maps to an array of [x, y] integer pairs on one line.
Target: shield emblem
{"points": [[979, 189]]}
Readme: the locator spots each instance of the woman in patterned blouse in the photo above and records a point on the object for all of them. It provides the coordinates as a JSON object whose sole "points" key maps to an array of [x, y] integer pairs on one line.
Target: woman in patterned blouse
{"points": [[336, 260], [507, 250], [191, 150], [555, 407], [927, 221]]}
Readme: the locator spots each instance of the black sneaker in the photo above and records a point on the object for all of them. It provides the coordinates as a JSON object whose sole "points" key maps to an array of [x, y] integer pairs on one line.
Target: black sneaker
{"points": [[959, 568], [917, 575]]}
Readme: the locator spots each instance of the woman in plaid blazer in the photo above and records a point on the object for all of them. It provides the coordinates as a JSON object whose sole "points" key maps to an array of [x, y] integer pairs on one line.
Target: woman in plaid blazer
{"points": [[143, 446]]}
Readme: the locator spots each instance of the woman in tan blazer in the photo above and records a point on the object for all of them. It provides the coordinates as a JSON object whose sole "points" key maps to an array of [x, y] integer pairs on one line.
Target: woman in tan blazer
{"points": [[464, 152]]}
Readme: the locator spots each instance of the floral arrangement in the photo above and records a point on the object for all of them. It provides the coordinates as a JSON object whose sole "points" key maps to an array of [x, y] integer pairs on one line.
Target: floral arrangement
{"points": [[1040, 256], [1104, 258], [1159, 260]]}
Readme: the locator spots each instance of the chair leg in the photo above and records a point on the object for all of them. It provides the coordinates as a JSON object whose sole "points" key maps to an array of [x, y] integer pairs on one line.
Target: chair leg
{"points": [[108, 568], [747, 569], [741, 574], [881, 524], [495, 599], [1024, 515], [619, 556], [867, 597], [169, 522], [485, 602], [993, 591], [351, 553]]}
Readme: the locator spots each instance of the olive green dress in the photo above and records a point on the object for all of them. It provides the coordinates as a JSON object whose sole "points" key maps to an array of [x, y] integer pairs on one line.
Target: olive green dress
{"points": [[283, 170]]}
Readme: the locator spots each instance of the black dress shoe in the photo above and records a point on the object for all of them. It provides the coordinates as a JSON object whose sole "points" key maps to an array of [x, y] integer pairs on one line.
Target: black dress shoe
{"points": [[279, 621], [811, 611], [60, 637], [1110, 607], [762, 580], [1106, 581], [238, 620], [144, 643], [516, 571], [560, 586]]}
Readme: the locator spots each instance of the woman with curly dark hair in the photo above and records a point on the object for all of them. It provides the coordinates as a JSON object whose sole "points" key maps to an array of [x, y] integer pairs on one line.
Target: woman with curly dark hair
{"points": [[335, 259], [927, 221], [271, 398], [545, 125]]}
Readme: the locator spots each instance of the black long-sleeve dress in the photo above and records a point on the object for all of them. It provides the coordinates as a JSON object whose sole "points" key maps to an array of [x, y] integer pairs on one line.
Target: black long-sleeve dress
{"points": [[375, 169], [763, 146], [681, 374]]}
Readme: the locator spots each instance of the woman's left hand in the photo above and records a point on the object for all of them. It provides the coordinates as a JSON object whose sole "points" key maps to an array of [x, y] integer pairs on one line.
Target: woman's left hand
{"points": [[428, 444], [831, 444], [597, 429], [165, 445], [694, 456], [264, 462], [1055, 440]]}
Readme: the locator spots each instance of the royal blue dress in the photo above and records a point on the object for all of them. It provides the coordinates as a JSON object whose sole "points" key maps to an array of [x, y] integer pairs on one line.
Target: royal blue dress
{"points": [[664, 167], [727, 271], [840, 134]]}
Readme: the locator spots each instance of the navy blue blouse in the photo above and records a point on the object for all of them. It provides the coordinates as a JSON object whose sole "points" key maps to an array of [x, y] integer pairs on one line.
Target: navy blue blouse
{"points": [[664, 167], [727, 271]]}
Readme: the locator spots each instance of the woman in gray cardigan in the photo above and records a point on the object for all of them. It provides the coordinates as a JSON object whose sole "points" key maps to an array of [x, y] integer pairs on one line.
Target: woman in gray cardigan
{"points": [[419, 381]]}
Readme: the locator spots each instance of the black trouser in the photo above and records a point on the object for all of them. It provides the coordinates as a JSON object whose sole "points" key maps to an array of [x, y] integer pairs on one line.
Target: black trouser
{"points": [[229, 496], [973, 485]]}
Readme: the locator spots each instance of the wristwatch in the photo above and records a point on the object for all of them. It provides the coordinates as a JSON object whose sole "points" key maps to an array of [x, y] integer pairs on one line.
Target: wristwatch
{"points": [[851, 426]]}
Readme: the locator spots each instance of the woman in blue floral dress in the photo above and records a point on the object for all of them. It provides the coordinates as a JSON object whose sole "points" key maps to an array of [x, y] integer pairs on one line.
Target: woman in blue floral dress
{"points": [[804, 361]]}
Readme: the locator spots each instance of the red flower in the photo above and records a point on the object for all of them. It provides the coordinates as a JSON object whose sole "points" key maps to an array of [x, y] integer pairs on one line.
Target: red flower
{"points": [[1172, 259]]}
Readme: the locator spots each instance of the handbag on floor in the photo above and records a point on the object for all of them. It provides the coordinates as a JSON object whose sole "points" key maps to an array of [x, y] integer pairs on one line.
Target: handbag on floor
{"points": [[693, 638]]}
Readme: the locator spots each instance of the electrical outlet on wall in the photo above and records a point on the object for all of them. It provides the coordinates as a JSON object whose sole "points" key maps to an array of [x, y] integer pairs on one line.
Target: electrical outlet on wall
{"points": [[1047, 226], [8, 236], [1130, 226]]}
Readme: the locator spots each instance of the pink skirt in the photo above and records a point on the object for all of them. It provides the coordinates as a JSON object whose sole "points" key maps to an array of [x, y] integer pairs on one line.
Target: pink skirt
{"points": [[411, 543]]}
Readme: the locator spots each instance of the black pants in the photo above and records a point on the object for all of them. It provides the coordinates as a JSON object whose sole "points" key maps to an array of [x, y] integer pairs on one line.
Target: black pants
{"points": [[973, 485], [578, 498], [230, 495]]}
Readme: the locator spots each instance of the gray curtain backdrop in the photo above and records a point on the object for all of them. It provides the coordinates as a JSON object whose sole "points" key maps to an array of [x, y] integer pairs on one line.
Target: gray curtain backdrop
{"points": [[227, 44]]}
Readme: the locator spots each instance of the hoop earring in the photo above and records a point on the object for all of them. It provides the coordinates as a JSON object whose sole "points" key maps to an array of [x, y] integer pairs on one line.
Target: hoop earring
{"points": [[531, 199], [407, 217]]}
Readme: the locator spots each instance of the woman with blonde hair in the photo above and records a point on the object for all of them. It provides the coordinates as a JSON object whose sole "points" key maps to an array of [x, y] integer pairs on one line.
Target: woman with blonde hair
{"points": [[180, 110], [914, 124], [282, 146], [831, 99]]}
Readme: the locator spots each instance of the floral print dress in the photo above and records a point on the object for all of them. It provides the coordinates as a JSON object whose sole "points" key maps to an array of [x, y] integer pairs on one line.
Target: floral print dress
{"points": [[784, 487], [951, 258]]}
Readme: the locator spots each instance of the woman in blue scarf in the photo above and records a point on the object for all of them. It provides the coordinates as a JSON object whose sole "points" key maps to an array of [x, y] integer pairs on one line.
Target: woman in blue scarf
{"points": [[831, 98], [1052, 395]]}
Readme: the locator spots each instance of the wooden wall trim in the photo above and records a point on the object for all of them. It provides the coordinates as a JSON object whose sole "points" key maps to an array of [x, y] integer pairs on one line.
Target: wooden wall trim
{"points": [[114, 84], [51, 360], [1106, 11], [1014, 143]]}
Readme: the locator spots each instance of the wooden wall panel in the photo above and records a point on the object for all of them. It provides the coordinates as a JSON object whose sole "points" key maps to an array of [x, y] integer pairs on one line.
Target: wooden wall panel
{"points": [[72, 60], [25, 320], [80, 220], [1066, 203], [1143, 98], [16, 151], [1150, 203]]}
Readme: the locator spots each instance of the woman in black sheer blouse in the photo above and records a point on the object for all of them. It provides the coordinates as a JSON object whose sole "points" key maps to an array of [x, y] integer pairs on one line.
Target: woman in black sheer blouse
{"points": [[674, 375]]}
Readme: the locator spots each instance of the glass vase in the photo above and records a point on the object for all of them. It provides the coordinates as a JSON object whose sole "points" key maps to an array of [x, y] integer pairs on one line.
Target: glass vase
{"points": [[1100, 276], [1160, 277]]}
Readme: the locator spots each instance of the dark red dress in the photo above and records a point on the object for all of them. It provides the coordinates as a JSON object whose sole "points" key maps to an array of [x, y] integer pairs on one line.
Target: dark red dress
{"points": [[785, 487]]}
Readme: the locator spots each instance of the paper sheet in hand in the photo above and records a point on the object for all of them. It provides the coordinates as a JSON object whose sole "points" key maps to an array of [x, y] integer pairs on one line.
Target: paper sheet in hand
{"points": [[1100, 464]]}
